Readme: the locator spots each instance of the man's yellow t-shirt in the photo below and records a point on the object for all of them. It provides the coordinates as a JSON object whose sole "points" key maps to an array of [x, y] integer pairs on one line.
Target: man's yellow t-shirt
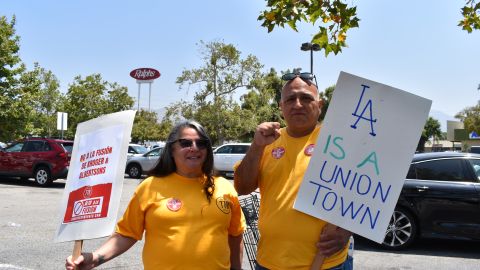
{"points": [[182, 230], [288, 237]]}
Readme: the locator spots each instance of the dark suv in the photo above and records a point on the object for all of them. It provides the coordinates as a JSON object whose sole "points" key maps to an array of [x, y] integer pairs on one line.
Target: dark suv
{"points": [[43, 159], [440, 199]]}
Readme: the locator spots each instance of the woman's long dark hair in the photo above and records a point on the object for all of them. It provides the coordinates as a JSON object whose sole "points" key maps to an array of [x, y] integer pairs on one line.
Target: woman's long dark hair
{"points": [[166, 164]]}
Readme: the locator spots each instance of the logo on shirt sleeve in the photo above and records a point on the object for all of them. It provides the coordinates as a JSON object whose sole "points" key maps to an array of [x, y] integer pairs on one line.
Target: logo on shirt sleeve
{"points": [[224, 205]]}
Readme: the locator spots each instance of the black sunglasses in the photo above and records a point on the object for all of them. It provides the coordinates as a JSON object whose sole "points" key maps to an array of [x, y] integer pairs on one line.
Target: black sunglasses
{"points": [[186, 143], [306, 76]]}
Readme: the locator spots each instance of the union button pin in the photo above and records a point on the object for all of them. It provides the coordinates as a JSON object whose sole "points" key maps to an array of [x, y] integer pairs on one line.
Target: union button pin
{"points": [[174, 204]]}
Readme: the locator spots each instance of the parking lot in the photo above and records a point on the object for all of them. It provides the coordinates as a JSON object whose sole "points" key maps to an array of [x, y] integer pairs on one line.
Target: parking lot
{"points": [[29, 218]]}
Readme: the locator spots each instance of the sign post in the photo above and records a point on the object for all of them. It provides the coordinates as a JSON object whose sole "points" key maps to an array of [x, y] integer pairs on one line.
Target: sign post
{"points": [[145, 75], [362, 156], [62, 121], [94, 184]]}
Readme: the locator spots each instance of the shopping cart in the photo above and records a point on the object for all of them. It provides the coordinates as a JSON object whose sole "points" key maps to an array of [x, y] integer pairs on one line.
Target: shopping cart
{"points": [[250, 205]]}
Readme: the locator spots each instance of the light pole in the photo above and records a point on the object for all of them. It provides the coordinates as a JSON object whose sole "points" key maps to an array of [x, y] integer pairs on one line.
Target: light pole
{"points": [[310, 47]]}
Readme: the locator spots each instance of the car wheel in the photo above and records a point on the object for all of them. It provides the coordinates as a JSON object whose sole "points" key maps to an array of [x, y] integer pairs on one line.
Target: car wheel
{"points": [[402, 230], [43, 177], [134, 171]]}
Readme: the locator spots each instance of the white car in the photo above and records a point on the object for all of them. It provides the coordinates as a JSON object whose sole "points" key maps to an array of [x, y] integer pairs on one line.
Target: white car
{"points": [[136, 150], [225, 156], [138, 165]]}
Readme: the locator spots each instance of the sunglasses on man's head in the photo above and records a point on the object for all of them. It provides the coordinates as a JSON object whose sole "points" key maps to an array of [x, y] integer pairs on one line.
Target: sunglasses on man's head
{"points": [[306, 76], [186, 143]]}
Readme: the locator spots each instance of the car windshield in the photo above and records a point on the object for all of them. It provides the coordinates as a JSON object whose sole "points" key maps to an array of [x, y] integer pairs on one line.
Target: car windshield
{"points": [[68, 146], [155, 152], [15, 147], [140, 149]]}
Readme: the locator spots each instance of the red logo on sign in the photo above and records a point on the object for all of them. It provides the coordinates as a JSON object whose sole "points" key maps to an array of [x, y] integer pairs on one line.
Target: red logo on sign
{"points": [[174, 204], [309, 149], [145, 74], [87, 193], [88, 202], [278, 152]]}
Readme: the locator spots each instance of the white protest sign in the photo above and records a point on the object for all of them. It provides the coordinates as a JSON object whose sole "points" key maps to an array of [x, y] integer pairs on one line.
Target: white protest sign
{"points": [[95, 178], [362, 155]]}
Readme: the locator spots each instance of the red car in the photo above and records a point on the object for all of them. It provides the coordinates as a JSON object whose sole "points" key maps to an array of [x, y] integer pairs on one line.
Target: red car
{"points": [[43, 159]]}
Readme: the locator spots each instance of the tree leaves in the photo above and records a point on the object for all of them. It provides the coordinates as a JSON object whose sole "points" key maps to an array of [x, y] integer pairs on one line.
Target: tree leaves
{"points": [[471, 16], [337, 19], [14, 106], [90, 97], [222, 73], [146, 127], [470, 117]]}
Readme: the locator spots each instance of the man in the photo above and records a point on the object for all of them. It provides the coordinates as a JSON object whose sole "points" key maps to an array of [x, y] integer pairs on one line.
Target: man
{"points": [[276, 163]]}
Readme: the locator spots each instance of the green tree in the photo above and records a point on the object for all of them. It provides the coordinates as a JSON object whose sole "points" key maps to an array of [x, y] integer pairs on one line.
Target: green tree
{"points": [[10, 62], [146, 127], [260, 104], [44, 99], [336, 18], [430, 130], [233, 121], [471, 16], [13, 108], [90, 97], [326, 96], [223, 72], [470, 117]]}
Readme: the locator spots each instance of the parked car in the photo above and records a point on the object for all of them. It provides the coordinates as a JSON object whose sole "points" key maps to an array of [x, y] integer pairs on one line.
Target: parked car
{"points": [[43, 159], [225, 156], [440, 199], [138, 165], [474, 149], [136, 150]]}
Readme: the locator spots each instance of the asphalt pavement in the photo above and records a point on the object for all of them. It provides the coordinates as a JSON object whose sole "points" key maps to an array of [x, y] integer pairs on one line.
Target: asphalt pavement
{"points": [[29, 216]]}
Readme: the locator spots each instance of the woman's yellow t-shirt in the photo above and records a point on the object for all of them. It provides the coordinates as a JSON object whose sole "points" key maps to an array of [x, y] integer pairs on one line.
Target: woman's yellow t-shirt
{"points": [[182, 230]]}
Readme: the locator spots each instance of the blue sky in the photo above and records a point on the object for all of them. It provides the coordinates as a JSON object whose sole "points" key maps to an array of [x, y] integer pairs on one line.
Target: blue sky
{"points": [[412, 45]]}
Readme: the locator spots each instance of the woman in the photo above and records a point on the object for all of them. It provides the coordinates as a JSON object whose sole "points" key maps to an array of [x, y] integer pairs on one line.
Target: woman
{"points": [[191, 219]]}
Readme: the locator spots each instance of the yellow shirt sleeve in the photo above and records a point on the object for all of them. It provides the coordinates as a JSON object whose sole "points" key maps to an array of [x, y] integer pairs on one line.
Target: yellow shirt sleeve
{"points": [[237, 222], [132, 222]]}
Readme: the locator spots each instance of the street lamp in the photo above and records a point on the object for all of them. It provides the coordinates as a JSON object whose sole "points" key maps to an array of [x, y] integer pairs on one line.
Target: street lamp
{"points": [[310, 47]]}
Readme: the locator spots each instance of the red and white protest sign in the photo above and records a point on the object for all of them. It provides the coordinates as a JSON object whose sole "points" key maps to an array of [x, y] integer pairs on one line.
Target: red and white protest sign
{"points": [[95, 178]]}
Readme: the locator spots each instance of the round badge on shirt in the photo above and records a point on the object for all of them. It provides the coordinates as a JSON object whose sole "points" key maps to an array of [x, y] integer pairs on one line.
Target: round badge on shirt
{"points": [[174, 204], [309, 149], [278, 152]]}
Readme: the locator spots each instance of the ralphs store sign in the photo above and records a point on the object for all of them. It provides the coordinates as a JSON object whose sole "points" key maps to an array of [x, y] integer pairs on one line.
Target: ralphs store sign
{"points": [[145, 74]]}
